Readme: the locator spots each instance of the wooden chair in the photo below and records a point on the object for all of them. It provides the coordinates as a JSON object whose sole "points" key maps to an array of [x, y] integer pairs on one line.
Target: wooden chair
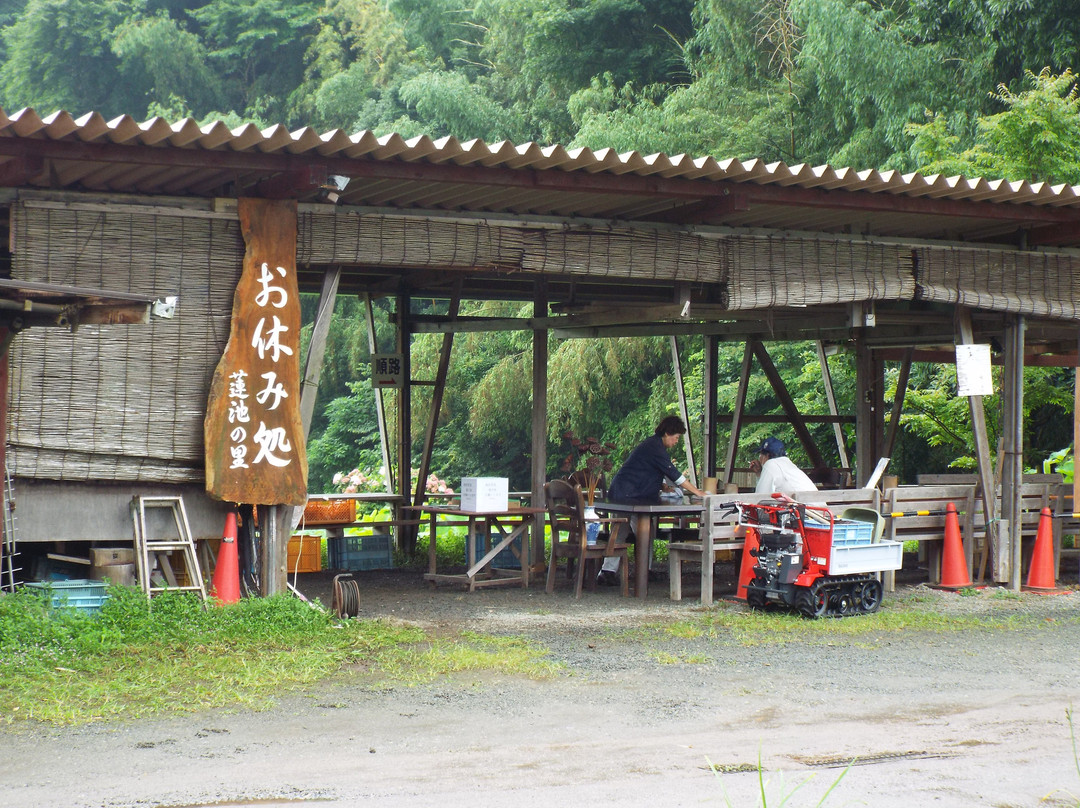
{"points": [[566, 516], [716, 533]]}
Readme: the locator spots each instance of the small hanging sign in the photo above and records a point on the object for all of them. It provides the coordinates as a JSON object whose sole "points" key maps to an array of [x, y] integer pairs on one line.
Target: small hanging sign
{"points": [[973, 376], [386, 371]]}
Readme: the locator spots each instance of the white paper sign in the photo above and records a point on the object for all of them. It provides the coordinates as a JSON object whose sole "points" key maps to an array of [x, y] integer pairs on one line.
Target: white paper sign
{"points": [[386, 371], [973, 371]]}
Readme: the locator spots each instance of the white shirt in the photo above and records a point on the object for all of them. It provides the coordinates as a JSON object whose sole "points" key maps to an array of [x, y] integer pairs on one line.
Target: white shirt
{"points": [[780, 475]]}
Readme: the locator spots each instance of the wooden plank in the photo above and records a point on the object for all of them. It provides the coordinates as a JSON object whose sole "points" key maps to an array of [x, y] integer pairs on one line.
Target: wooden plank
{"points": [[783, 419]]}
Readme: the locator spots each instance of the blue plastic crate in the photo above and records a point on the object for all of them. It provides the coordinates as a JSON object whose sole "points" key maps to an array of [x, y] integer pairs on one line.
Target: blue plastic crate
{"points": [[82, 594], [852, 532], [508, 558], [353, 553]]}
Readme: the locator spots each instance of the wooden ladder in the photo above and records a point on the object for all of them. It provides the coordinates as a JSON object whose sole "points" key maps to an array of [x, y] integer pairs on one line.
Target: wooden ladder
{"points": [[149, 548]]}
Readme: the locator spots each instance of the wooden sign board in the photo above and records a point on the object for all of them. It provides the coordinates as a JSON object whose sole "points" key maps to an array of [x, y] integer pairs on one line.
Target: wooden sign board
{"points": [[255, 447]]}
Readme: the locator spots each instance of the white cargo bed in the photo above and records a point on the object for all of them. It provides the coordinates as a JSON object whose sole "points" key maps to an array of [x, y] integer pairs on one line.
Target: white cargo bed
{"points": [[848, 559]]}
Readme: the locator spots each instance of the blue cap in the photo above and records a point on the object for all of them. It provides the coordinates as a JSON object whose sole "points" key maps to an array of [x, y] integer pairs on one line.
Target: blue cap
{"points": [[773, 447]]}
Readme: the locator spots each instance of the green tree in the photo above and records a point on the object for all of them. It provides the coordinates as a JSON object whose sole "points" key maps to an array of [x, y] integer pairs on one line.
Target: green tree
{"points": [[59, 56], [165, 64], [542, 51], [258, 46], [1036, 137]]}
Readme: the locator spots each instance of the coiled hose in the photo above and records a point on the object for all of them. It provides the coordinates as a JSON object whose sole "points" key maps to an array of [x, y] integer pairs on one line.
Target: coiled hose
{"points": [[346, 600]]}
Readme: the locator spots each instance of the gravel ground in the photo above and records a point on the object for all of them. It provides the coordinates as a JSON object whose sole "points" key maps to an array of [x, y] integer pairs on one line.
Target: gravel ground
{"points": [[949, 718]]}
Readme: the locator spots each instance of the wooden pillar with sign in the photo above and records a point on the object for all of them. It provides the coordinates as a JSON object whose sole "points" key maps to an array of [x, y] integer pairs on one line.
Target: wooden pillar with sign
{"points": [[253, 431]]}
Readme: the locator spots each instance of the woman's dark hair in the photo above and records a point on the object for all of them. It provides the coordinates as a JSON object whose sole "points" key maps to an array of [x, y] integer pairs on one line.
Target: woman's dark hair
{"points": [[672, 425]]}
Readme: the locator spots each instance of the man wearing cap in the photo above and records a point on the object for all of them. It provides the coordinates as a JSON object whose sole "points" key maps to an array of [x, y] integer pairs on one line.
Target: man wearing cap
{"points": [[778, 475]]}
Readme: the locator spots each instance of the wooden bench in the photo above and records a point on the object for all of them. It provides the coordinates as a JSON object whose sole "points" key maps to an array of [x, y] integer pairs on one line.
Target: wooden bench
{"points": [[716, 533], [1037, 491], [1034, 496], [929, 529], [840, 499]]}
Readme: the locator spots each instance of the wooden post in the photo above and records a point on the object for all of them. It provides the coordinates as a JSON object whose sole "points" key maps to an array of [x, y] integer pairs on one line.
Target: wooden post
{"points": [[538, 468], [965, 334], [708, 391], [437, 390], [898, 407], [407, 534], [736, 415], [869, 419], [309, 382], [688, 444], [1013, 469], [287, 518], [380, 407], [1076, 429], [830, 397]]}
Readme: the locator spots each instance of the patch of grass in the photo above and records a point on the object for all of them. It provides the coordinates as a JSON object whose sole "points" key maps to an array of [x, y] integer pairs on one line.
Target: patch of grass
{"points": [[137, 659], [414, 664], [665, 658], [1005, 594]]}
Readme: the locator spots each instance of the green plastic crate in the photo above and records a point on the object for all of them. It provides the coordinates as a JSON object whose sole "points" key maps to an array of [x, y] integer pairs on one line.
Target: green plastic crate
{"points": [[82, 594]]}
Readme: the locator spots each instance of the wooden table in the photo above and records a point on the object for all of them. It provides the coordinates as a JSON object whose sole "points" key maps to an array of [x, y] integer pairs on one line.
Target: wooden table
{"points": [[508, 524], [644, 516]]}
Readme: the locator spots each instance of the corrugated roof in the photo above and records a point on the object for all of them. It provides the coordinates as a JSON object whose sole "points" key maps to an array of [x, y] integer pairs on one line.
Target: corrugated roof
{"points": [[182, 158]]}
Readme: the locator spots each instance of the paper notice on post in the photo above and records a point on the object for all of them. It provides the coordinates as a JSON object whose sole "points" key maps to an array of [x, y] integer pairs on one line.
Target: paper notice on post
{"points": [[973, 371]]}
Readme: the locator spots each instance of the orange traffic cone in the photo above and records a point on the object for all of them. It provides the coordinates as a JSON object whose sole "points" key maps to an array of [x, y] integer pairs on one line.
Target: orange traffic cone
{"points": [[225, 587], [954, 571], [746, 568], [1041, 573]]}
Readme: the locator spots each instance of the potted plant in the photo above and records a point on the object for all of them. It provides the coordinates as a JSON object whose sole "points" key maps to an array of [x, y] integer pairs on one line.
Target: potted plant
{"points": [[589, 458]]}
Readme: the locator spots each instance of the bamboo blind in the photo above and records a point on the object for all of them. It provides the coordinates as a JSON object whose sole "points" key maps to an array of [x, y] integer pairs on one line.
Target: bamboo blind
{"points": [[120, 402], [345, 237], [792, 271], [375, 239], [1040, 284], [622, 252]]}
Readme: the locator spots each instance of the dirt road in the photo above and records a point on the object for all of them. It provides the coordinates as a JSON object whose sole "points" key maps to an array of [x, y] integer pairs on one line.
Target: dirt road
{"points": [[956, 718]]}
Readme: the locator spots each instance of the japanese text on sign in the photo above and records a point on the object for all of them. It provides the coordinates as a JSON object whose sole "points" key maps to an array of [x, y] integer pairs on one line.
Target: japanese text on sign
{"points": [[386, 370], [254, 436]]}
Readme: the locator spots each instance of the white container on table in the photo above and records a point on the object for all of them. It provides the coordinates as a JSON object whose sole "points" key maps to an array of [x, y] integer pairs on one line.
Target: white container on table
{"points": [[480, 494]]}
